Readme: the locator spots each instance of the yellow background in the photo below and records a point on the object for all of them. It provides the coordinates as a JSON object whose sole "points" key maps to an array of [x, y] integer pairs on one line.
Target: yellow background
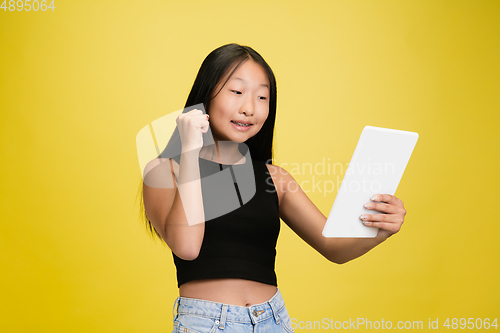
{"points": [[78, 83]]}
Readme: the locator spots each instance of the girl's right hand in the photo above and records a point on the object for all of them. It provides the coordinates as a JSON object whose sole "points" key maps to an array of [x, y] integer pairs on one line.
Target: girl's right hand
{"points": [[191, 125]]}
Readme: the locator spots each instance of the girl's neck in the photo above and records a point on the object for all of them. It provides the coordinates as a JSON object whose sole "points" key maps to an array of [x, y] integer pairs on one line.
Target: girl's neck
{"points": [[224, 152]]}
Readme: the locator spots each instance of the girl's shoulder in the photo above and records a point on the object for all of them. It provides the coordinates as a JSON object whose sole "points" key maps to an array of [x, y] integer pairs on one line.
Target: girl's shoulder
{"points": [[161, 173], [281, 179]]}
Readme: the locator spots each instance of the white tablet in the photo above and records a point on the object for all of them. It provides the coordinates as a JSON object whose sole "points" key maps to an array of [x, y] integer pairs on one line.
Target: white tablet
{"points": [[376, 167]]}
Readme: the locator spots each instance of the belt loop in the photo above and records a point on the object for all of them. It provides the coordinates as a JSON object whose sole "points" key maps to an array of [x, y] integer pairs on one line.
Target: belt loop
{"points": [[222, 321], [175, 304], [275, 311]]}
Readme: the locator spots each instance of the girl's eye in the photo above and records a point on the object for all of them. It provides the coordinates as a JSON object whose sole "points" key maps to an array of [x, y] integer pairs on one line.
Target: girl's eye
{"points": [[239, 93]]}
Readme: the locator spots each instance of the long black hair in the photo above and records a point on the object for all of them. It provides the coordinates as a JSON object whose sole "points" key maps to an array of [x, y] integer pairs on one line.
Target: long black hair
{"points": [[216, 66]]}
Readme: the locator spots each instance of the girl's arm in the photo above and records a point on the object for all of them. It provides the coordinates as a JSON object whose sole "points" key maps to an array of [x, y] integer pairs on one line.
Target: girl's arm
{"points": [[176, 212], [307, 221]]}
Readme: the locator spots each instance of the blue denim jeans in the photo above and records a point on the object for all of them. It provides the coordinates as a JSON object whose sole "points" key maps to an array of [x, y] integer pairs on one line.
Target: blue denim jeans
{"points": [[201, 316]]}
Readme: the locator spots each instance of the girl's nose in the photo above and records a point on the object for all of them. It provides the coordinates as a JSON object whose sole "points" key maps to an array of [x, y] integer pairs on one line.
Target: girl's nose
{"points": [[247, 108], [247, 112]]}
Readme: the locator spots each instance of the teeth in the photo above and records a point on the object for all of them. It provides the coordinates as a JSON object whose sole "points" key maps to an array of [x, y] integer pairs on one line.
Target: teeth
{"points": [[240, 124]]}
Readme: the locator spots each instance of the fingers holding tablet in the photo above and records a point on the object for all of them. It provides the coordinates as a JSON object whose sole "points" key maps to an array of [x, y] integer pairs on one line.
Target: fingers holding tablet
{"points": [[390, 222]]}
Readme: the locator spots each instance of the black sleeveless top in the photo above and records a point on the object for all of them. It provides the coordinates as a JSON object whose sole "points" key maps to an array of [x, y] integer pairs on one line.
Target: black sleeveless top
{"points": [[241, 232]]}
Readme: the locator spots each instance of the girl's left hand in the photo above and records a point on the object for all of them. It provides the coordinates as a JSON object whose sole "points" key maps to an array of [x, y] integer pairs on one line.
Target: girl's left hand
{"points": [[389, 223]]}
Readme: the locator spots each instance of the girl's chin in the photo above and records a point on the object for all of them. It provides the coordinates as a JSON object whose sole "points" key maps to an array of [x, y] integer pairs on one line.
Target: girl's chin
{"points": [[235, 140], [239, 137]]}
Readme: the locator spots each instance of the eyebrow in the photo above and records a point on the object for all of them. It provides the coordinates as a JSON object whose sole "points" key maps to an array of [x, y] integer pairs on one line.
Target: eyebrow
{"points": [[263, 85]]}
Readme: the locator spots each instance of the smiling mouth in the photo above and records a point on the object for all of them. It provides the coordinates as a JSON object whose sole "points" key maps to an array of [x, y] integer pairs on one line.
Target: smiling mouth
{"points": [[241, 124]]}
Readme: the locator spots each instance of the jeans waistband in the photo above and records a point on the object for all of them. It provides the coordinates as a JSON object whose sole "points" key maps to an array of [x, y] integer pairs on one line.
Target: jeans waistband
{"points": [[227, 312]]}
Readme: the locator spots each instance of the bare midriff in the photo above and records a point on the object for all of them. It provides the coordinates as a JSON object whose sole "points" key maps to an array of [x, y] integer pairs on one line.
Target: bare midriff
{"points": [[228, 291]]}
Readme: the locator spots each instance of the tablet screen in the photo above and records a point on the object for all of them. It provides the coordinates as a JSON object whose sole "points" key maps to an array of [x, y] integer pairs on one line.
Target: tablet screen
{"points": [[376, 167]]}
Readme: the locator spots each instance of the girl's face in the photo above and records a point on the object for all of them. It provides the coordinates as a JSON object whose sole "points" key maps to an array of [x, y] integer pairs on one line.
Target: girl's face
{"points": [[240, 109]]}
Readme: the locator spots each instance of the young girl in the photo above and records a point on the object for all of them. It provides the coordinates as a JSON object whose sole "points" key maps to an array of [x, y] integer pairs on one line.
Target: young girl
{"points": [[224, 246]]}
